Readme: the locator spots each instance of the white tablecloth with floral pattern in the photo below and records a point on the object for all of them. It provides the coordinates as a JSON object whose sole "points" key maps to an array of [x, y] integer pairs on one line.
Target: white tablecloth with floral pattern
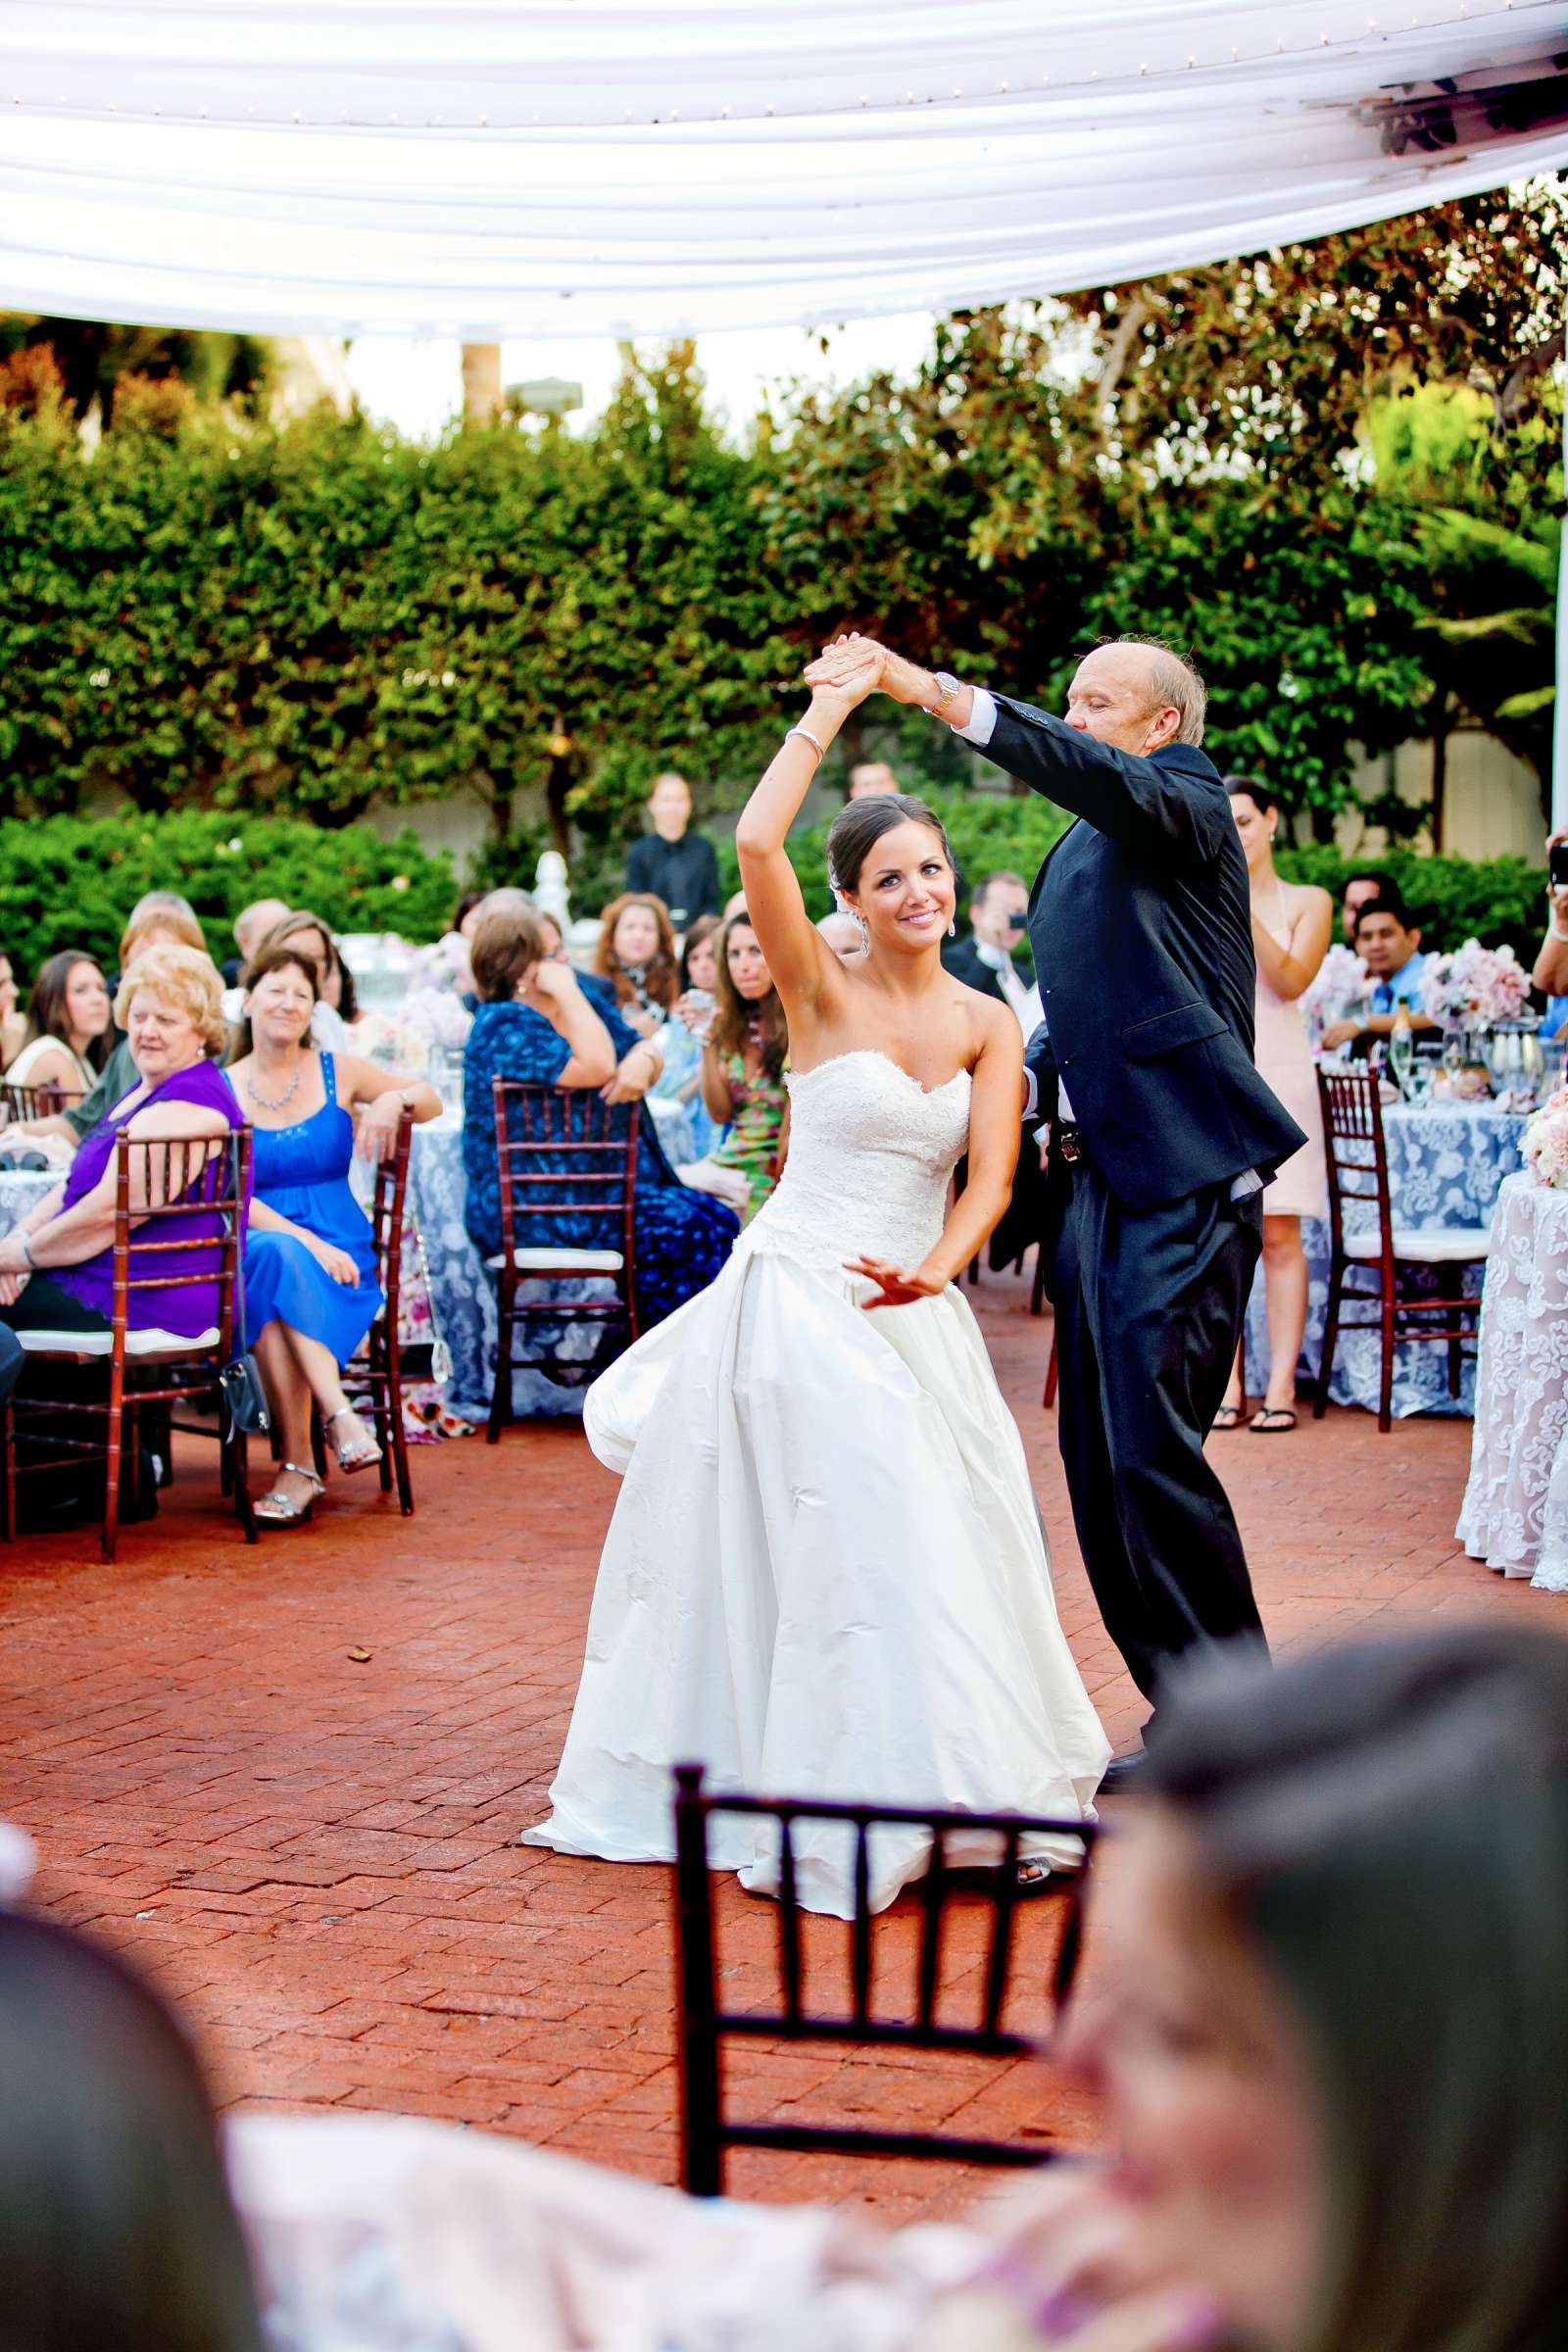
{"points": [[1445, 1165], [1515, 1512]]}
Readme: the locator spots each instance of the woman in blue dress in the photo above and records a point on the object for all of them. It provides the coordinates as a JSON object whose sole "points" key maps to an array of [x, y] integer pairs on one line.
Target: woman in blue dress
{"points": [[536, 1023], [311, 1292]]}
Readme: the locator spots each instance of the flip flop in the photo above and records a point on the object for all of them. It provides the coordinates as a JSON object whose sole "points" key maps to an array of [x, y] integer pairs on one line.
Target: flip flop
{"points": [[1274, 1421], [1228, 1417]]}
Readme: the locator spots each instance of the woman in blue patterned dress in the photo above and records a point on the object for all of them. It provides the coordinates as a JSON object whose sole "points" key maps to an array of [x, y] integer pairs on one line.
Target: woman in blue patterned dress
{"points": [[535, 1024]]}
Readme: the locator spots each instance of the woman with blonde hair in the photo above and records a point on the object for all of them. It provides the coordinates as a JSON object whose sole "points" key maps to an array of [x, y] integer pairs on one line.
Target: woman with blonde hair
{"points": [[57, 1266], [636, 954]]}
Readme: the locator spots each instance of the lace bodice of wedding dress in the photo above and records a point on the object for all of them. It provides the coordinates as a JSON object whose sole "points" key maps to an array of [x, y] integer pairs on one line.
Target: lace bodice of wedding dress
{"points": [[872, 1152]]}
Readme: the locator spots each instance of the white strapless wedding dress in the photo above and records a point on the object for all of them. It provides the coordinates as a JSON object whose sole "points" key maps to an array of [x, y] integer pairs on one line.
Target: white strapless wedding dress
{"points": [[827, 1574]]}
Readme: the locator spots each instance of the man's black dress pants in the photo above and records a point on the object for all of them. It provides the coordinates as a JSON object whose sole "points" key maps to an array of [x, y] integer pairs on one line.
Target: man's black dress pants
{"points": [[1149, 1309]]}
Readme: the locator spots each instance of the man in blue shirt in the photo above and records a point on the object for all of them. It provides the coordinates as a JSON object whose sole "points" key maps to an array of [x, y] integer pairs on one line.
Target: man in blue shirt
{"points": [[1390, 946]]}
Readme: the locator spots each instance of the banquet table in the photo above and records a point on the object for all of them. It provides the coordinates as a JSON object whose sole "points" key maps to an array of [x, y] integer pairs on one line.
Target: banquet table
{"points": [[21, 1189], [1446, 1163], [1515, 1510]]}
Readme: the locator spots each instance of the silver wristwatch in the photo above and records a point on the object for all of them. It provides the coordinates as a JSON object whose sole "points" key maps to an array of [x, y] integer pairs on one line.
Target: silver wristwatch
{"points": [[950, 687]]}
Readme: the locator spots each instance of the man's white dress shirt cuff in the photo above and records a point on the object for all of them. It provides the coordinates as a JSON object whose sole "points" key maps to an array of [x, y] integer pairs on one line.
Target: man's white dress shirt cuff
{"points": [[982, 719]]}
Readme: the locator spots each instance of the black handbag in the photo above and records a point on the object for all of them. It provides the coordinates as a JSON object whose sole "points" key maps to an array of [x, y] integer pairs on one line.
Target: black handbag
{"points": [[242, 1383]]}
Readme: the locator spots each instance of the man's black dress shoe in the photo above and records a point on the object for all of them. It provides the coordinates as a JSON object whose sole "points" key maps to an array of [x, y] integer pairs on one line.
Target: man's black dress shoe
{"points": [[1123, 1775]]}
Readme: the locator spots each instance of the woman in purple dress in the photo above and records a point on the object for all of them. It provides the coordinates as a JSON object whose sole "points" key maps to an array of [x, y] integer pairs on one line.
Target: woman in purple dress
{"points": [[57, 1267]]}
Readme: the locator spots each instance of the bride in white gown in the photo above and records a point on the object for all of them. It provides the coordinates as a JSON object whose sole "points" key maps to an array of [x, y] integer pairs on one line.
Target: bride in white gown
{"points": [[827, 1574]]}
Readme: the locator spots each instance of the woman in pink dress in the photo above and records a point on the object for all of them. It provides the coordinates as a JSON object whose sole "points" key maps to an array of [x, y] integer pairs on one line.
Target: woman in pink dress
{"points": [[1292, 925]]}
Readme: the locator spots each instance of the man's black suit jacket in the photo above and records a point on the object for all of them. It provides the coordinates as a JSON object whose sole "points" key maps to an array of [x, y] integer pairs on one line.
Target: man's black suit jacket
{"points": [[1140, 925]]}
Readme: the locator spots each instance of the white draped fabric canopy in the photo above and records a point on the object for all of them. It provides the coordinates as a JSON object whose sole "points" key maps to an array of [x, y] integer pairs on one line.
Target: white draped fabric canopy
{"points": [[488, 169]]}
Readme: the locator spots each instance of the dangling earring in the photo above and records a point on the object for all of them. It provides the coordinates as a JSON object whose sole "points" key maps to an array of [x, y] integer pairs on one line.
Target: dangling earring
{"points": [[952, 928], [865, 932]]}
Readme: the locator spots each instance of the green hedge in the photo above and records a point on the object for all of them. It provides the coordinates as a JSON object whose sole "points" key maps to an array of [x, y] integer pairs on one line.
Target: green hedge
{"points": [[70, 881]]}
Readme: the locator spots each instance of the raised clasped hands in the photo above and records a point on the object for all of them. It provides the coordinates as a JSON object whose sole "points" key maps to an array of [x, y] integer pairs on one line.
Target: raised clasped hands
{"points": [[895, 1287], [854, 667]]}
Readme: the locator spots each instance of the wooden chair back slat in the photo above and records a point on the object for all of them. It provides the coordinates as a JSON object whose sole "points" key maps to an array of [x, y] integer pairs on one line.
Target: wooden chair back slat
{"points": [[35, 1101], [706, 2023]]}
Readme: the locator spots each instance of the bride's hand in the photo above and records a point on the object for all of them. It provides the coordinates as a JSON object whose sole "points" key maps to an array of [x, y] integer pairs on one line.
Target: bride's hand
{"points": [[850, 659], [896, 1288], [844, 674]]}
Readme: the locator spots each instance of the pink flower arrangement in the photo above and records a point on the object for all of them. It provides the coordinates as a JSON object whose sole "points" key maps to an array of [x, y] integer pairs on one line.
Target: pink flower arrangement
{"points": [[1474, 987], [1544, 1146]]}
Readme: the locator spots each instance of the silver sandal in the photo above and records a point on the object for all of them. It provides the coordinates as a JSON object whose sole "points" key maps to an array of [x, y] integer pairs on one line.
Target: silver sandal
{"points": [[278, 1509], [360, 1457]]}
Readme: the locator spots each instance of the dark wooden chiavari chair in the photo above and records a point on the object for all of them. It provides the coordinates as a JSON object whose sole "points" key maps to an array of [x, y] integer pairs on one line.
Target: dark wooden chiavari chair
{"points": [[182, 1181], [706, 2023], [1357, 1158], [568, 1161], [373, 1382]]}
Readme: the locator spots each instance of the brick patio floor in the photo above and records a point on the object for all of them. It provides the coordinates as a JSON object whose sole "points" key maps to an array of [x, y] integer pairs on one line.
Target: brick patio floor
{"points": [[316, 1853]]}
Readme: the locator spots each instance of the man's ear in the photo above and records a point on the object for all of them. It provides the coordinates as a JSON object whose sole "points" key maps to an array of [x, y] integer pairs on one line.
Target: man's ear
{"points": [[1164, 729], [1416, 937]]}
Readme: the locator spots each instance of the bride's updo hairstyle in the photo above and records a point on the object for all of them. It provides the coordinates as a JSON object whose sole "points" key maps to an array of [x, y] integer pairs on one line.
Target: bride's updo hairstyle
{"points": [[860, 824]]}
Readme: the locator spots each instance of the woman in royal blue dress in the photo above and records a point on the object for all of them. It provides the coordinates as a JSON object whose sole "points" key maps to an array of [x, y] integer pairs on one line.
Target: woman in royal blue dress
{"points": [[311, 1292], [536, 1023]]}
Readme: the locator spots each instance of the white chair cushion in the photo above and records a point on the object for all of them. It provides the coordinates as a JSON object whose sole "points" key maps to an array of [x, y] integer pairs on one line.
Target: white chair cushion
{"points": [[1426, 1245], [101, 1343], [560, 1262]]}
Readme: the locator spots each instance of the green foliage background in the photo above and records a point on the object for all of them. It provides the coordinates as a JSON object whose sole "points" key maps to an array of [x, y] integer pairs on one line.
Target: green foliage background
{"points": [[68, 881], [1266, 461]]}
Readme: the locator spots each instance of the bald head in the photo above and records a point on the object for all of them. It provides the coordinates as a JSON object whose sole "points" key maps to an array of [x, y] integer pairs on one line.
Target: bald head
{"points": [[1138, 694]]}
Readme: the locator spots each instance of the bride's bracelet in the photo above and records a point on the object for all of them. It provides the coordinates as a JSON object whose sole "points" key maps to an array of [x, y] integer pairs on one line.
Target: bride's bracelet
{"points": [[820, 748]]}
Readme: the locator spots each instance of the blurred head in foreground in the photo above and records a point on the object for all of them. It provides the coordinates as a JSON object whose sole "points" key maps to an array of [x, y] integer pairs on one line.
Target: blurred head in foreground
{"points": [[116, 2226], [1326, 2001]]}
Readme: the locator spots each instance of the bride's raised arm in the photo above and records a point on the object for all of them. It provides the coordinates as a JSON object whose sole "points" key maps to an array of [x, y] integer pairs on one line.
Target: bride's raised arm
{"points": [[804, 967]]}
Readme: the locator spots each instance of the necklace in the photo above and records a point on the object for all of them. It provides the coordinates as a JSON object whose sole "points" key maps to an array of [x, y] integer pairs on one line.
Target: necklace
{"points": [[275, 1101]]}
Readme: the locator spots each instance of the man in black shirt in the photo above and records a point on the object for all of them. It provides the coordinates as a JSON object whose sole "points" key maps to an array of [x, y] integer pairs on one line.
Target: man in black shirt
{"points": [[671, 863]]}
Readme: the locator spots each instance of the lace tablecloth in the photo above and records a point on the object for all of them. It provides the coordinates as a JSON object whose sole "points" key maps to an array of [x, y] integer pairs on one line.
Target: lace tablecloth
{"points": [[21, 1189], [1445, 1165], [1515, 1512]]}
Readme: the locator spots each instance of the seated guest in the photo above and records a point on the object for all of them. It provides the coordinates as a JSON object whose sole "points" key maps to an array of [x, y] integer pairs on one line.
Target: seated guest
{"points": [[868, 777], [251, 926], [537, 1025], [842, 931], [1389, 944], [672, 863], [70, 1029], [57, 1266], [1292, 2163], [682, 1079], [115, 2222], [311, 1292], [636, 954], [1368, 882], [13, 1024], [336, 1008], [744, 1053], [159, 919], [985, 962]]}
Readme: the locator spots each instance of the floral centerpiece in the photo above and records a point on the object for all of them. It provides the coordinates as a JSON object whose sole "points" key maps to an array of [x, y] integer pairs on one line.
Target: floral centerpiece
{"points": [[1474, 987], [1337, 989], [1544, 1145]]}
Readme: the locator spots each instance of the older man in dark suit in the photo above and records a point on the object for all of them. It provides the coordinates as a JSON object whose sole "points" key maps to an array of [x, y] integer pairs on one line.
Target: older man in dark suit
{"points": [[1141, 927]]}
